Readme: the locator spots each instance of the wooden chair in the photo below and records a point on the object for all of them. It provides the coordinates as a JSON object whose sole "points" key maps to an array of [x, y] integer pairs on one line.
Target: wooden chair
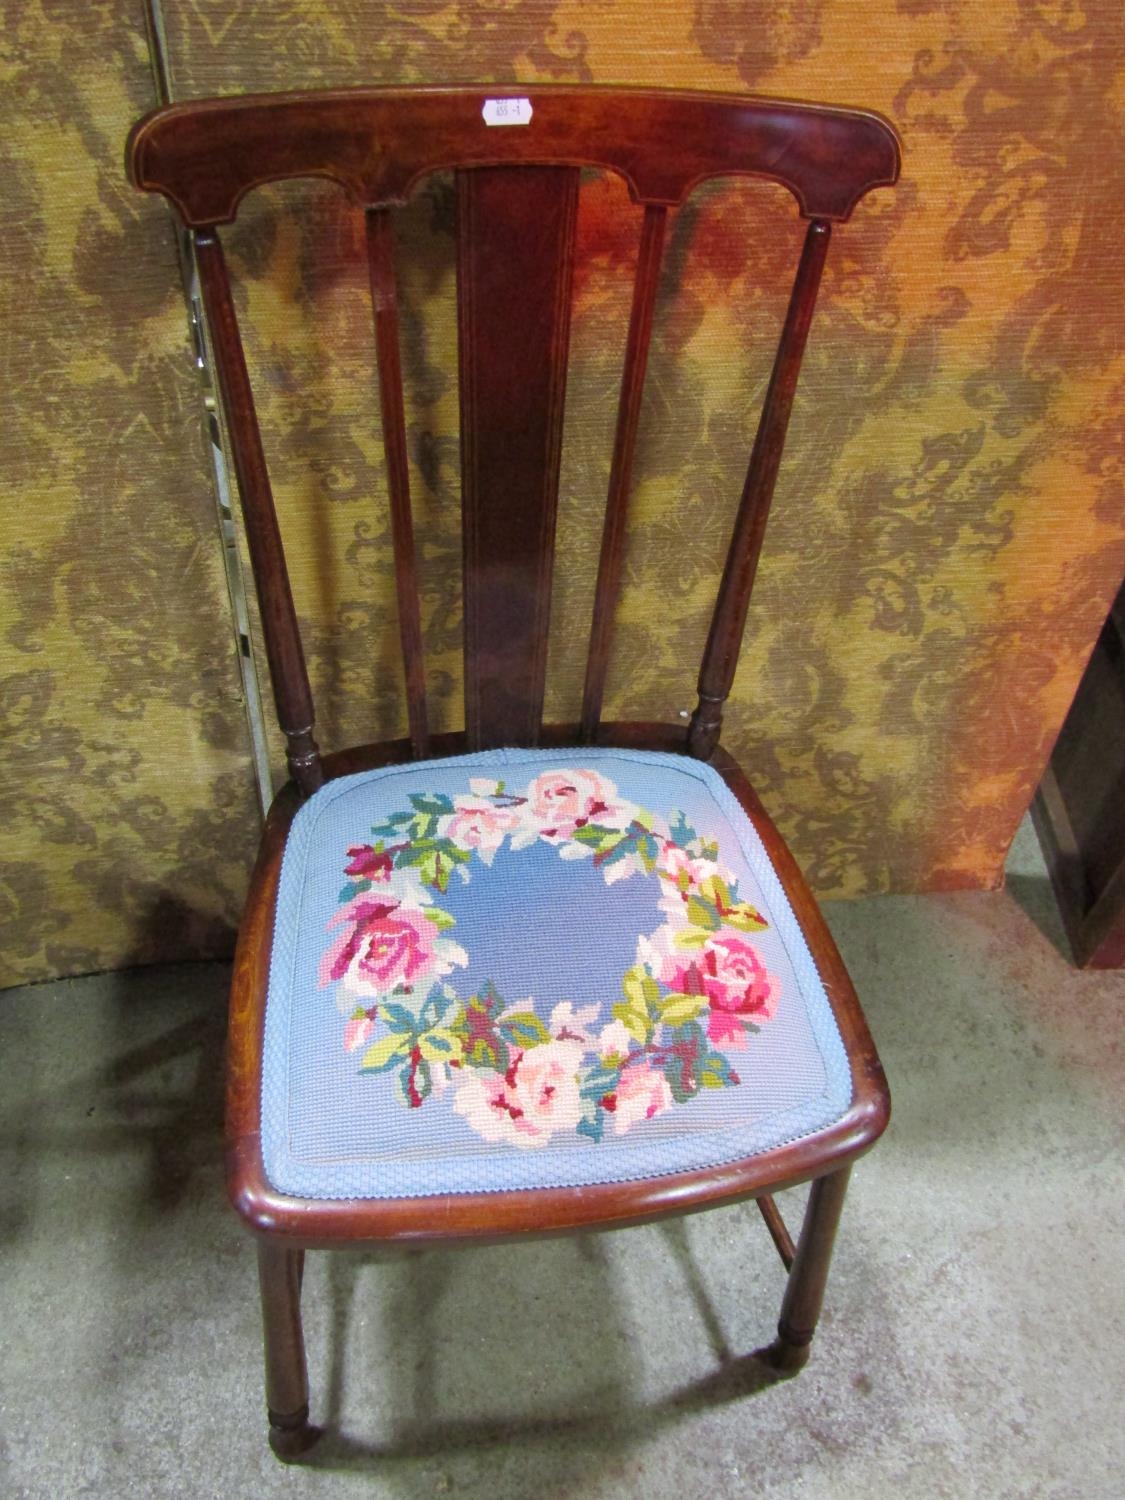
{"points": [[730, 1058]]}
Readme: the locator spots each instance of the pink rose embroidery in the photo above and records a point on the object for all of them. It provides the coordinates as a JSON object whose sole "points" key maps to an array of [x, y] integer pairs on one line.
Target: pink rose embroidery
{"points": [[365, 864], [358, 1029], [384, 944], [614, 1042], [479, 824], [641, 1094], [728, 971], [537, 1096], [682, 870], [561, 801], [515, 1080]]}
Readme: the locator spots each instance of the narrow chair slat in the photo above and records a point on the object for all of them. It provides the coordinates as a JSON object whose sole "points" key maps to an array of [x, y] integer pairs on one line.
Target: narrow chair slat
{"points": [[608, 586], [515, 261], [779, 1232], [384, 300], [286, 657], [724, 641]]}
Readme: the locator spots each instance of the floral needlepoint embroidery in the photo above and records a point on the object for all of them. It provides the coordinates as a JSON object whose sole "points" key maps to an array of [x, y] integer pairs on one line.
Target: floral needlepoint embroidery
{"points": [[697, 991]]}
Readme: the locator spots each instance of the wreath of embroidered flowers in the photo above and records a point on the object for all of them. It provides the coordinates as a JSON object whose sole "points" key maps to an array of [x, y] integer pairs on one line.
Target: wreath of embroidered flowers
{"points": [[697, 991]]}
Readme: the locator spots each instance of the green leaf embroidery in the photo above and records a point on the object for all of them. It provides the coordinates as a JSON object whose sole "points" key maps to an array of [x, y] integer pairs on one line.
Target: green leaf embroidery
{"points": [[440, 1045], [353, 889], [636, 1022], [675, 1009], [524, 1029], [681, 1079], [440, 919], [434, 858], [398, 1018], [386, 1051], [640, 1009], [685, 1045], [592, 1123], [599, 1081], [435, 802], [702, 914], [716, 892], [414, 853], [437, 1007], [640, 988], [608, 844], [680, 830], [648, 849], [485, 1053], [716, 1072], [745, 918], [392, 829]]}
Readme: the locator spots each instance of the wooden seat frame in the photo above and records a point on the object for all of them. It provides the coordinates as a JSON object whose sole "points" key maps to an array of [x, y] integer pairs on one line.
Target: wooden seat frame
{"points": [[517, 188]]}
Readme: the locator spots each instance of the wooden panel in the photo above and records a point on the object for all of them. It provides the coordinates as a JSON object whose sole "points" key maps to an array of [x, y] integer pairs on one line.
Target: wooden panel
{"points": [[206, 154], [515, 249], [1080, 806]]}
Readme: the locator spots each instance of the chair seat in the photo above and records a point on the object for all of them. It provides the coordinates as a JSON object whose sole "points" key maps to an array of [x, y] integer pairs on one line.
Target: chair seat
{"points": [[531, 969]]}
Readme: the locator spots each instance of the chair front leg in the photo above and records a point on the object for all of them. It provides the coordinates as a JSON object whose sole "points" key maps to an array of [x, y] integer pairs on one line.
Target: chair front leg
{"points": [[804, 1294], [280, 1272]]}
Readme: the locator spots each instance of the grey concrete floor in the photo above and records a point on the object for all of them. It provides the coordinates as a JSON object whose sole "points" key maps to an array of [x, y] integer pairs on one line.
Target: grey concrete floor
{"points": [[972, 1343]]}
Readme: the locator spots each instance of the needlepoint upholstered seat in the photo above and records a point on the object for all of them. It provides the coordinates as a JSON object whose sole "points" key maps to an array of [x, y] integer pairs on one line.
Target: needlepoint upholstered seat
{"points": [[549, 969], [526, 977]]}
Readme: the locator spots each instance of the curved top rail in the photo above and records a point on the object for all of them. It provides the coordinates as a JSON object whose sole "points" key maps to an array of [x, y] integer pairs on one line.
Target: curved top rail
{"points": [[205, 155]]}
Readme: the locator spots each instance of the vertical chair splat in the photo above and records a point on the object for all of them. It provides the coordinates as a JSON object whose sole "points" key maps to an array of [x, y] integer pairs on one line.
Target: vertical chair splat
{"points": [[515, 236], [724, 641], [610, 562], [384, 300], [286, 657]]}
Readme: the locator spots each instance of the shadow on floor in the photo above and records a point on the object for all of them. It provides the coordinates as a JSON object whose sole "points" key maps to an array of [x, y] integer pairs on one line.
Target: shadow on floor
{"points": [[741, 1377], [133, 1071], [536, 1332], [546, 1328], [1027, 882], [1035, 897]]}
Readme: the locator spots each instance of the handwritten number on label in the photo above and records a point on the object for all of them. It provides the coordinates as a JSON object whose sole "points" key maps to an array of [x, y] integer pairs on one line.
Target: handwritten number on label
{"points": [[506, 111]]}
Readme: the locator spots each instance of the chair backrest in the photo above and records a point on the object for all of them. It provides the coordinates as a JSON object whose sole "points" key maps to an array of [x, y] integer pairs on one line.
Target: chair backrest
{"points": [[517, 154]]}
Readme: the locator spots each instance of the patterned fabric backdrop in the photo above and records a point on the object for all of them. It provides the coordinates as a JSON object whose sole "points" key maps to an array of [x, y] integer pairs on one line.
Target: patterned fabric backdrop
{"points": [[128, 807], [947, 532]]}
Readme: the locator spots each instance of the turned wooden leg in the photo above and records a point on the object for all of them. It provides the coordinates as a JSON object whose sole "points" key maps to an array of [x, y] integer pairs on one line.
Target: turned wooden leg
{"points": [[804, 1293], [280, 1271]]}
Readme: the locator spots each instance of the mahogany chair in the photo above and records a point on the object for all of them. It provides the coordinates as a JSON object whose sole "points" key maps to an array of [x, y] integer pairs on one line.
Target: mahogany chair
{"points": [[579, 981]]}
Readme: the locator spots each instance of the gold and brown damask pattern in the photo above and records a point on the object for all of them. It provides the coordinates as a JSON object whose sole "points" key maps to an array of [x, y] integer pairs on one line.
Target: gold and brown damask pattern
{"points": [[128, 803], [947, 533]]}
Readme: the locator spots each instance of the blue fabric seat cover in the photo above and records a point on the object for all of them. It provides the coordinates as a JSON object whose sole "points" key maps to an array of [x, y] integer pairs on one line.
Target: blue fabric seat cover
{"points": [[535, 968]]}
